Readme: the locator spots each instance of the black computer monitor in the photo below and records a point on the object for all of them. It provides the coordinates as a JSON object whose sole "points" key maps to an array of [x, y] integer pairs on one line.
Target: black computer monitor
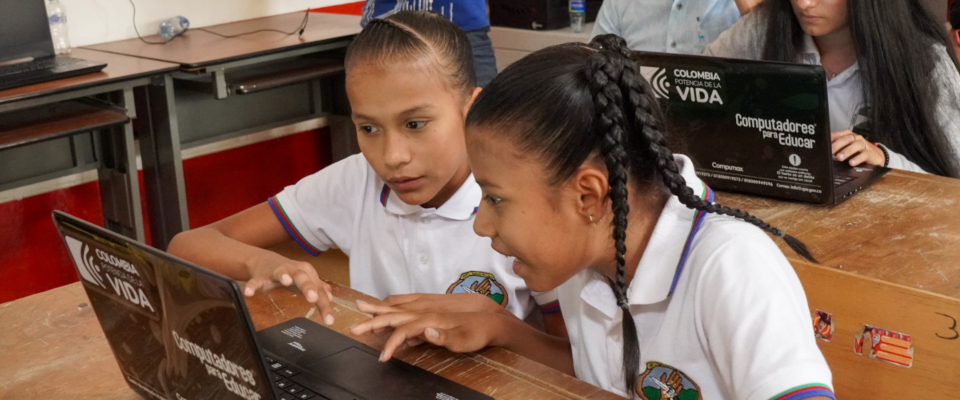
{"points": [[24, 31]]}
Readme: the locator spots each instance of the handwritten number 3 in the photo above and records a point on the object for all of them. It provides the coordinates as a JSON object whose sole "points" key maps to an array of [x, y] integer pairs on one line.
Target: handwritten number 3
{"points": [[953, 328]]}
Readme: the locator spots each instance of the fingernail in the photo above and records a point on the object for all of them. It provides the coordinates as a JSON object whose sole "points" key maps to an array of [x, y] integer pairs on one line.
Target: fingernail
{"points": [[432, 333], [285, 279], [248, 292], [328, 319], [312, 295], [352, 326], [381, 357]]}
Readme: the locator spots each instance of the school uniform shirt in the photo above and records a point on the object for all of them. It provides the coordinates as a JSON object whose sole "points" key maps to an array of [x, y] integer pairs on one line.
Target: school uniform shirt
{"points": [[845, 90], [397, 248], [672, 26], [467, 14], [719, 311]]}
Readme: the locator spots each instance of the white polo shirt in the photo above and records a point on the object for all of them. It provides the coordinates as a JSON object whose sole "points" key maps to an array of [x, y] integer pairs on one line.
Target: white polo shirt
{"points": [[397, 248], [731, 322]]}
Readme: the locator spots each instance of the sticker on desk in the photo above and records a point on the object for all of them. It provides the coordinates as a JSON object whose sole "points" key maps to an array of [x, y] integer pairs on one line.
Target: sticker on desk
{"points": [[823, 326], [884, 345]]}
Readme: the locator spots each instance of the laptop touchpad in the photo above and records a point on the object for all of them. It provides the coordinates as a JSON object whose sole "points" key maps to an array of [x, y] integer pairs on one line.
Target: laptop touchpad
{"points": [[361, 372]]}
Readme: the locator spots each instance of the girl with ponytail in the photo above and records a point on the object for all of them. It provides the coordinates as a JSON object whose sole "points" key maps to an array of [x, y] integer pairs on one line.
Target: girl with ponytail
{"points": [[665, 294]]}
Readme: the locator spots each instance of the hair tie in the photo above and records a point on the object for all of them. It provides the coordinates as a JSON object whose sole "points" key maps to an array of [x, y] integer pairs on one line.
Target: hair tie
{"points": [[778, 233]]}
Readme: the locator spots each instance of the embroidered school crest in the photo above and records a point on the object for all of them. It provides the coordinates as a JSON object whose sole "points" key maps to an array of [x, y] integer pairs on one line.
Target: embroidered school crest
{"points": [[481, 283], [663, 382]]}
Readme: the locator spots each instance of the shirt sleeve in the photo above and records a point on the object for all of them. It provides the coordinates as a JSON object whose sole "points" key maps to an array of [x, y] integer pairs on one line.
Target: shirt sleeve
{"points": [[898, 161], [756, 325], [743, 40], [608, 20], [319, 210]]}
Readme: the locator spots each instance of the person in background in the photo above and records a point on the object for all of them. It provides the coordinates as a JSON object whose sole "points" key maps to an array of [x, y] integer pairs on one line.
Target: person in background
{"points": [[469, 15], [892, 77], [675, 26]]}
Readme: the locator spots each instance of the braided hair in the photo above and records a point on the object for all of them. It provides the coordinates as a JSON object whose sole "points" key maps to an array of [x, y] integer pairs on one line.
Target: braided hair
{"points": [[568, 103]]}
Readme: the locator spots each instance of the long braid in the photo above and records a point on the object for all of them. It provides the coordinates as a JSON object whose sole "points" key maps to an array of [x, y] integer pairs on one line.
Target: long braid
{"points": [[648, 123], [603, 74]]}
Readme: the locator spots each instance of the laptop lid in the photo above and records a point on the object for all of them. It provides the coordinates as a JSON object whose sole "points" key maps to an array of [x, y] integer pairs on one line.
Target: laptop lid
{"points": [[24, 30], [750, 126], [178, 331]]}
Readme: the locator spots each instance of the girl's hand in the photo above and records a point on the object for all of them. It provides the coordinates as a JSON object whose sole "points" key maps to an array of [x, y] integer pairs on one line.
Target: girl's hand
{"points": [[855, 150], [458, 332], [271, 270], [436, 303]]}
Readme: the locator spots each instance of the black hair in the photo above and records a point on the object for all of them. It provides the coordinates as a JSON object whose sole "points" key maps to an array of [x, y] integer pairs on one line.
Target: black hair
{"points": [[416, 36], [567, 103], [954, 15], [894, 41]]}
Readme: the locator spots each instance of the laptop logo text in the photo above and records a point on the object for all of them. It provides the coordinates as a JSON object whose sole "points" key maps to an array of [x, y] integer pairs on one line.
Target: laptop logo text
{"points": [[86, 265], [689, 85], [219, 366], [95, 264]]}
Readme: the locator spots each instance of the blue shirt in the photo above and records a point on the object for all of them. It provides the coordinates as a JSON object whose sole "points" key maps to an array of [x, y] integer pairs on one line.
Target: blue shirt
{"points": [[467, 14], [666, 26]]}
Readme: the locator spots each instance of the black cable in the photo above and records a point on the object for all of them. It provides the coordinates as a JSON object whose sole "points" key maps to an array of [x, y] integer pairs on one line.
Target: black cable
{"points": [[300, 28], [137, 30]]}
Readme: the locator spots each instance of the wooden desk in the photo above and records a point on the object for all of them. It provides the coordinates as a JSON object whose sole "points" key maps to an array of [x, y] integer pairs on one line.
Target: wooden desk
{"points": [[209, 64], [115, 85], [904, 229], [53, 348]]}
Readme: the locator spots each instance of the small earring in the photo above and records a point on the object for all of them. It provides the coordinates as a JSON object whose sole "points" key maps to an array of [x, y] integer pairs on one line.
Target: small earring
{"points": [[591, 218], [598, 222]]}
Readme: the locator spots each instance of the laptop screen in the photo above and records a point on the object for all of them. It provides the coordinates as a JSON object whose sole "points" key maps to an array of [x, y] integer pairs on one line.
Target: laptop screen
{"points": [[749, 126], [24, 30], [176, 331]]}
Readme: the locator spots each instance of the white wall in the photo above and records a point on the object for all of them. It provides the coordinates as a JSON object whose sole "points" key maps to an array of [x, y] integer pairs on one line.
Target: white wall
{"points": [[98, 21]]}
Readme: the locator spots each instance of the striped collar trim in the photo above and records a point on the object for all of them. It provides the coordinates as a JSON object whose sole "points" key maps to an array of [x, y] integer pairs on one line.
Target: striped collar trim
{"points": [[462, 206], [697, 220]]}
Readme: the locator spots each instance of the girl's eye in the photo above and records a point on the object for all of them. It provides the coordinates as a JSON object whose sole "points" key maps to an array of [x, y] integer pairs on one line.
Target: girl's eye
{"points": [[367, 129], [493, 199], [416, 124]]}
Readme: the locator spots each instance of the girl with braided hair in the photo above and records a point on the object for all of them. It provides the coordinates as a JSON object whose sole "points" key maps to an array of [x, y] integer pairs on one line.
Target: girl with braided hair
{"points": [[665, 294], [403, 210]]}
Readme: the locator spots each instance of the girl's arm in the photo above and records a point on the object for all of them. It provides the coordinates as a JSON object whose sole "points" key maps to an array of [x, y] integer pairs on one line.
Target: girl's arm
{"points": [[235, 247], [466, 332]]}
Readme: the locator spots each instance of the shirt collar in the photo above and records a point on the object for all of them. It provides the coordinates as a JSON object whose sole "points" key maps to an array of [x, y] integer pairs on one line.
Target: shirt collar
{"points": [[664, 259], [811, 56], [461, 206]]}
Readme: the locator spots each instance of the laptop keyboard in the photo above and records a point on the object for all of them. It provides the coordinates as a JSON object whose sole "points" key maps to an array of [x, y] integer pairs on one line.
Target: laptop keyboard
{"points": [[35, 65], [841, 179], [279, 374]]}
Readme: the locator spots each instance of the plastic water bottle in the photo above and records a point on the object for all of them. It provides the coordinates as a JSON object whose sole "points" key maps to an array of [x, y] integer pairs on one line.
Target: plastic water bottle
{"points": [[172, 27], [57, 16], [578, 15]]}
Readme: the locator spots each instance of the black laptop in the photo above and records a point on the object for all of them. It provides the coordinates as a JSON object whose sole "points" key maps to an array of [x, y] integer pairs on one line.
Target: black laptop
{"points": [[754, 127], [26, 50], [182, 332]]}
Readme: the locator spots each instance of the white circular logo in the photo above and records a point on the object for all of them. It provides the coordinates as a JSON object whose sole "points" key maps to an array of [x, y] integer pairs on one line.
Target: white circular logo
{"points": [[794, 160]]}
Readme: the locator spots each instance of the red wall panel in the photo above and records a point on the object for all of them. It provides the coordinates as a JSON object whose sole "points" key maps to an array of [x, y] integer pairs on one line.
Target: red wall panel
{"points": [[32, 257]]}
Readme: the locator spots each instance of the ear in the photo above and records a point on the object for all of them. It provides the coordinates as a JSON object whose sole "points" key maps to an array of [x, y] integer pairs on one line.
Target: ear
{"points": [[469, 103], [591, 186]]}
